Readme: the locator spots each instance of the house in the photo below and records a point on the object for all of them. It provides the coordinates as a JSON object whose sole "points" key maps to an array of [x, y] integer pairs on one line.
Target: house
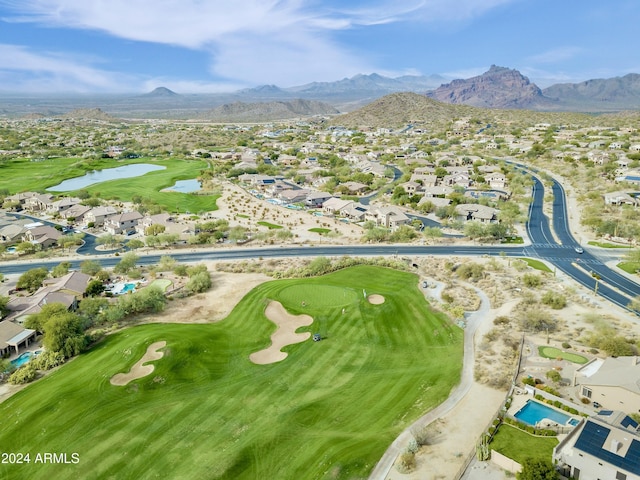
{"points": [[38, 202], [612, 382], [335, 205], [317, 199], [12, 233], [123, 222], [439, 191], [67, 290], [425, 179], [19, 198], [620, 198], [474, 211], [354, 188], [411, 188], [605, 446], [42, 235], [355, 211], [388, 216], [496, 180], [97, 216], [291, 195], [75, 213], [61, 205], [13, 336]]}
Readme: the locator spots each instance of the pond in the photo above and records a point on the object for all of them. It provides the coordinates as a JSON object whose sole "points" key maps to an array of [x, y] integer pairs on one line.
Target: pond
{"points": [[184, 186], [97, 176]]}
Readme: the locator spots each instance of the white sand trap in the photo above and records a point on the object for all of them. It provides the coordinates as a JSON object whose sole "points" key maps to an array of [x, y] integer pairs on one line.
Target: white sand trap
{"points": [[285, 334], [140, 370], [375, 299]]}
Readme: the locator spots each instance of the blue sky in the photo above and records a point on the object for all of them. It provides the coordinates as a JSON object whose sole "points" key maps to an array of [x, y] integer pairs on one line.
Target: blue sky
{"points": [[197, 46]]}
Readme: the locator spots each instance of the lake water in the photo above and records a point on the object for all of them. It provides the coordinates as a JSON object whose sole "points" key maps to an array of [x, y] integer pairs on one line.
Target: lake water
{"points": [[97, 176], [185, 186]]}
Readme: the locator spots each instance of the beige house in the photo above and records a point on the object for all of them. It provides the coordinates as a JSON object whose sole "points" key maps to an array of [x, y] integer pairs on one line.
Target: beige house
{"points": [[13, 336], [477, 212], [605, 446], [335, 205], [388, 216], [98, 215], [43, 235], [612, 382], [123, 222]]}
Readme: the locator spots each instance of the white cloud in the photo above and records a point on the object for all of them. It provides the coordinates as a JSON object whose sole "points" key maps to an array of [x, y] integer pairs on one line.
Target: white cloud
{"points": [[250, 41], [52, 71], [560, 54]]}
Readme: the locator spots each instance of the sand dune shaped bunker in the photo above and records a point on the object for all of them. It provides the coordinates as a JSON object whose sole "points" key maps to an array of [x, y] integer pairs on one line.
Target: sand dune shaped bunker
{"points": [[140, 370], [285, 334]]}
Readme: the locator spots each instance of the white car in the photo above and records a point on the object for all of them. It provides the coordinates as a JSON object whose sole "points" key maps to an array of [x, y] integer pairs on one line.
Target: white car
{"points": [[579, 249]]}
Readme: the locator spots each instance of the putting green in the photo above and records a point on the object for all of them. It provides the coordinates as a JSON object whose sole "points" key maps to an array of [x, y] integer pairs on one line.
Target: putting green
{"points": [[552, 352], [319, 296], [329, 410]]}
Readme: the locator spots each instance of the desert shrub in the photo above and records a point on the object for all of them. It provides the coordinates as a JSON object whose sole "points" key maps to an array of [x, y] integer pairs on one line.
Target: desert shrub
{"points": [[447, 297], [566, 345], [473, 271], [502, 320], [406, 462], [24, 374], [554, 376], [585, 400], [531, 280], [529, 381], [48, 360], [554, 300]]}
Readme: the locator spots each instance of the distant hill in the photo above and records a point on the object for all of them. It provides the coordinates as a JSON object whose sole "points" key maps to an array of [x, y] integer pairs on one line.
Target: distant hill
{"points": [[599, 94], [161, 92], [499, 87], [89, 114], [398, 110], [267, 111]]}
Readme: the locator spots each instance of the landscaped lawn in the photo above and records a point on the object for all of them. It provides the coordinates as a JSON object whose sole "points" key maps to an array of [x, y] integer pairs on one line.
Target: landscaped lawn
{"points": [[552, 352], [329, 410], [161, 283], [270, 226], [537, 264], [518, 445], [19, 175], [320, 230], [629, 267]]}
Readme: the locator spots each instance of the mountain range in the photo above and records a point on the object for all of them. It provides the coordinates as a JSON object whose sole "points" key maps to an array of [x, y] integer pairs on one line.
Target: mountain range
{"points": [[499, 87]]}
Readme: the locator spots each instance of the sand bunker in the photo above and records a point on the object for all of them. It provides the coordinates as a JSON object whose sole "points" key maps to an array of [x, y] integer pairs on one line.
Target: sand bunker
{"points": [[375, 299], [140, 370], [284, 335]]}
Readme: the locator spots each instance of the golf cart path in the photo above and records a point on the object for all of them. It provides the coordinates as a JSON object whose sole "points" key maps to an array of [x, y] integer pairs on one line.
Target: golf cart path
{"points": [[474, 320]]}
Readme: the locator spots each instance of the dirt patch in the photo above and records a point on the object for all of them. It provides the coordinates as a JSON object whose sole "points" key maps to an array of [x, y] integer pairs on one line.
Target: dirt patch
{"points": [[375, 299], [214, 305], [283, 336], [140, 370]]}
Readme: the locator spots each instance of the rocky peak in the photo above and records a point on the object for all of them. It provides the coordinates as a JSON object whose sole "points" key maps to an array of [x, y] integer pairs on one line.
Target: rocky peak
{"points": [[499, 87]]}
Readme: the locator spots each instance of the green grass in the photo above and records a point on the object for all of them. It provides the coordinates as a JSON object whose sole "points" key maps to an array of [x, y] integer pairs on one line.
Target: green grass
{"points": [[242, 215], [606, 244], [329, 410], [161, 283], [321, 231], [513, 240], [518, 445], [21, 175], [630, 267], [270, 226], [537, 264], [552, 352]]}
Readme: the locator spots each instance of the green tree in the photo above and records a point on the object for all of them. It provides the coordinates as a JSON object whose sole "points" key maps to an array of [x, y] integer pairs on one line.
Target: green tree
{"points": [[554, 376], [135, 244], [31, 280], [4, 300], [154, 229], [537, 469], [200, 282], [126, 263], [37, 321], [555, 300], [60, 270], [94, 288], [63, 333], [25, 248], [90, 267]]}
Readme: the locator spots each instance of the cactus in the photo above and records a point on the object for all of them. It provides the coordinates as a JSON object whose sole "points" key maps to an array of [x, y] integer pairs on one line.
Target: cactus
{"points": [[482, 448]]}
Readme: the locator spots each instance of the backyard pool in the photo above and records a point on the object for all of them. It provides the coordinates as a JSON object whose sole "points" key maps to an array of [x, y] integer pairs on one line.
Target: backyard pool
{"points": [[533, 412], [122, 288], [22, 359]]}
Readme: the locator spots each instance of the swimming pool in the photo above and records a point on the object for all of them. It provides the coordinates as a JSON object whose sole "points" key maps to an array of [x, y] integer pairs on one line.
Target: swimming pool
{"points": [[122, 288], [533, 412], [22, 359]]}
